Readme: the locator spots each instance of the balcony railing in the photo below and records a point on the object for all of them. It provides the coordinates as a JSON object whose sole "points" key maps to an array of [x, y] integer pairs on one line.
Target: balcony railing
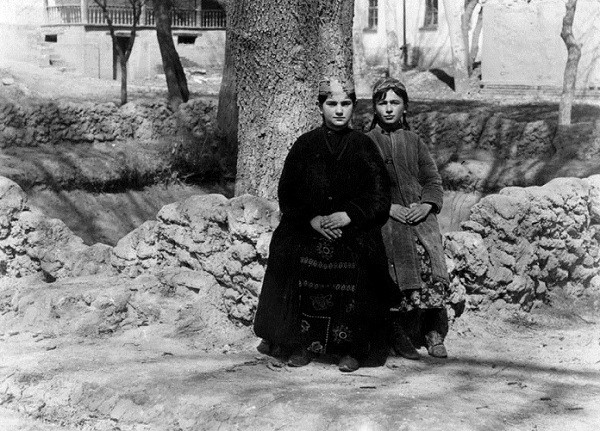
{"points": [[123, 16]]}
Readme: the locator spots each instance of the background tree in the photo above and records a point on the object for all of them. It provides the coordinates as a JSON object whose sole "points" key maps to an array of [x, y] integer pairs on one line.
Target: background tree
{"points": [[459, 16], [467, 20], [280, 51], [573, 56], [175, 75], [227, 115], [123, 49], [460, 54]]}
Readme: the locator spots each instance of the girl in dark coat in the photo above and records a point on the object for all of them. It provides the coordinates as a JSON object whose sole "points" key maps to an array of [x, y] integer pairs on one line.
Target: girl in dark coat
{"points": [[412, 235], [325, 283]]}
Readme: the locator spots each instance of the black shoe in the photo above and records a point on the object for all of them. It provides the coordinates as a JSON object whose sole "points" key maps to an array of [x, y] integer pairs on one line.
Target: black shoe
{"points": [[299, 358], [401, 343], [348, 364], [264, 347]]}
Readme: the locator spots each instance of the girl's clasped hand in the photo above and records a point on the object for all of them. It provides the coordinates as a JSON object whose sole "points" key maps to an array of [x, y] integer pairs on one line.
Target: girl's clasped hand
{"points": [[330, 226]]}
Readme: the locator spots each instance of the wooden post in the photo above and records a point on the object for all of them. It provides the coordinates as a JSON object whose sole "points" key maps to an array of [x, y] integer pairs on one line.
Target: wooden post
{"points": [[84, 11]]}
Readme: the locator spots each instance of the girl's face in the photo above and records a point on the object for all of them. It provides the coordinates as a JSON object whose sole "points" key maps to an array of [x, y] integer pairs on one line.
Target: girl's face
{"points": [[337, 110], [390, 109]]}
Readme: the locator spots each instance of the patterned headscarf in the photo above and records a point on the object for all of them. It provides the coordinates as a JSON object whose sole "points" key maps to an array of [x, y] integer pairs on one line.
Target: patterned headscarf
{"points": [[327, 86], [381, 87], [384, 84]]}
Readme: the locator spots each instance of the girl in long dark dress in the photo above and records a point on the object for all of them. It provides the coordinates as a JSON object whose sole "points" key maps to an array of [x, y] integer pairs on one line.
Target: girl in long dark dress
{"points": [[412, 235], [324, 290]]}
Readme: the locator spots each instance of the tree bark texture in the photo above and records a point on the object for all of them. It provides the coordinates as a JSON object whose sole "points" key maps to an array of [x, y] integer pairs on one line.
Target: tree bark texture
{"points": [[123, 63], [227, 114], [475, 37], [460, 55], [175, 75], [281, 51], [573, 56]]}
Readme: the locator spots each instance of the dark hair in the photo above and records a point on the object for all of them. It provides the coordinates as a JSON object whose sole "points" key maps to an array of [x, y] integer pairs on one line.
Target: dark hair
{"points": [[380, 95], [323, 97]]}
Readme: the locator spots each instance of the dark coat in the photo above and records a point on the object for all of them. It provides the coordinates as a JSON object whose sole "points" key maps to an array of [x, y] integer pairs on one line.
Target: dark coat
{"points": [[415, 179], [318, 181]]}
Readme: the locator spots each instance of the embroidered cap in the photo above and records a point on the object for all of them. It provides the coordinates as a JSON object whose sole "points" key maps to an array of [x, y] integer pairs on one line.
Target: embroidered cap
{"points": [[329, 86]]}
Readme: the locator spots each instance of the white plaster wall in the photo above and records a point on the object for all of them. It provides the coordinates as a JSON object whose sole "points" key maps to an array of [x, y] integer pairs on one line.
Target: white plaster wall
{"points": [[19, 21], [522, 43], [430, 46]]}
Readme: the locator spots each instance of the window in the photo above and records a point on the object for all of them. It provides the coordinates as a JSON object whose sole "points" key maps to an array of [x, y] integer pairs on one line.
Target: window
{"points": [[53, 38], [186, 39], [372, 24], [431, 14]]}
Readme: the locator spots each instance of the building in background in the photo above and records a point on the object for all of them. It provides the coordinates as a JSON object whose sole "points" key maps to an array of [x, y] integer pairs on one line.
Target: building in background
{"points": [[73, 34], [385, 27], [520, 43], [522, 47]]}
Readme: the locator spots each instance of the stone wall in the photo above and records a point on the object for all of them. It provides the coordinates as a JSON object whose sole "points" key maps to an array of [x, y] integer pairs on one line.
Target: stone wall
{"points": [[517, 246], [30, 125], [31, 243], [219, 239], [524, 242], [482, 150]]}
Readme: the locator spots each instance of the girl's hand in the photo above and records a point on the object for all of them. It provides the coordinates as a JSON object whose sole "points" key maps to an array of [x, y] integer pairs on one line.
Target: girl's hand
{"points": [[330, 234], [336, 220], [417, 212], [398, 213]]}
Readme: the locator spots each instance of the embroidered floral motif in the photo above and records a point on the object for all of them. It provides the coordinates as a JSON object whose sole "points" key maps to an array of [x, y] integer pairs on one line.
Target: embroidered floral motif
{"points": [[339, 287], [325, 249], [342, 334], [322, 302], [315, 263], [316, 347], [304, 326], [350, 307]]}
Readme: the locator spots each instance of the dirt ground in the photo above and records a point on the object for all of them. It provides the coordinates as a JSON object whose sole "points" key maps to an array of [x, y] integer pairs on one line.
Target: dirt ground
{"points": [[507, 370]]}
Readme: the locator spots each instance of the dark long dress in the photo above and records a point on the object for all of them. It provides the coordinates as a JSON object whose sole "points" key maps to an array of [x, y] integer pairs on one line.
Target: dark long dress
{"points": [[328, 296]]}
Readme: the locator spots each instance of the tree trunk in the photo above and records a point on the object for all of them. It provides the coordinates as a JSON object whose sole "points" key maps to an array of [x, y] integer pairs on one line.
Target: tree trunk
{"points": [[475, 37], [394, 50], [281, 50], [467, 16], [360, 63], [115, 68], [123, 63], [175, 75], [573, 56], [460, 55], [227, 115]]}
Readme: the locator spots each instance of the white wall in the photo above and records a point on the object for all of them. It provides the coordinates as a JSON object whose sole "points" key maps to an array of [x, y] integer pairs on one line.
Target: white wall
{"points": [[522, 43]]}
